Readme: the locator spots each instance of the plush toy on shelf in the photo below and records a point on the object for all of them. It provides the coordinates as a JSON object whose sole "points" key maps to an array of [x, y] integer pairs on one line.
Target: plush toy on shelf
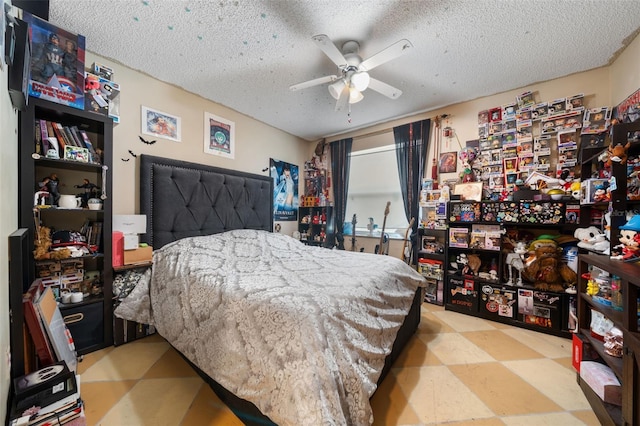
{"points": [[467, 157], [547, 271], [592, 239]]}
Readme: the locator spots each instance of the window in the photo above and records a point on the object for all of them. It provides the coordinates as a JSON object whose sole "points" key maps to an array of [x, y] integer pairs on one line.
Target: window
{"points": [[373, 180]]}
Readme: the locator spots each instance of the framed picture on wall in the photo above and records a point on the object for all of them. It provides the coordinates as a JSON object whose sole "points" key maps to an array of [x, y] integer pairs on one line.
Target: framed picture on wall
{"points": [[219, 136], [448, 162], [161, 124]]}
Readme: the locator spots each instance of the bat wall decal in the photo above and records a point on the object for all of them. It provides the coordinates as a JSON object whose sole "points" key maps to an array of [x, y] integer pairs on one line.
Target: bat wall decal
{"points": [[146, 141]]}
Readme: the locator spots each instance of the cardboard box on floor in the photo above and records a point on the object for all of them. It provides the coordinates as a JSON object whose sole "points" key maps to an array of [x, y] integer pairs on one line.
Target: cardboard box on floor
{"points": [[139, 255]]}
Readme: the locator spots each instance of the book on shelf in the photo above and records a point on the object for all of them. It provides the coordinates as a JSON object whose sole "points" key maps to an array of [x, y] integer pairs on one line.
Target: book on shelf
{"points": [[44, 136], [60, 137], [43, 348], [75, 132], [69, 137], [95, 158], [38, 141]]}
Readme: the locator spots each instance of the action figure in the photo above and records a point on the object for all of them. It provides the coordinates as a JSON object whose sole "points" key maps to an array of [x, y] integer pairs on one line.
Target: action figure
{"points": [[90, 191], [53, 57], [50, 184]]}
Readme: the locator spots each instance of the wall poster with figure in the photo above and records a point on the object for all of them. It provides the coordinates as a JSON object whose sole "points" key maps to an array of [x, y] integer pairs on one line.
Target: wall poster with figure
{"points": [[160, 124], [285, 190], [219, 136], [57, 63]]}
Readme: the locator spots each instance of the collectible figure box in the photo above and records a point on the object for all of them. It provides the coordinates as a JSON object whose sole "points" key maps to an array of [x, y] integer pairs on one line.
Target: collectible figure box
{"points": [[593, 191], [57, 63], [463, 294], [102, 96], [433, 291], [498, 302]]}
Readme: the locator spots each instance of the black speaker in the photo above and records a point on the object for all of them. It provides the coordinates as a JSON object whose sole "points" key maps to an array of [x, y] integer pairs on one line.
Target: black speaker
{"points": [[19, 67]]}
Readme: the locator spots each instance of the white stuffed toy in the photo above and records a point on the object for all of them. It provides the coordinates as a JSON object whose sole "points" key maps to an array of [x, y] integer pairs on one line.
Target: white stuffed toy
{"points": [[592, 239]]}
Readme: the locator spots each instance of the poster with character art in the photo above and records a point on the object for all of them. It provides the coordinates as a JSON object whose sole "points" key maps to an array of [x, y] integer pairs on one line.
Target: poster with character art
{"points": [[285, 190], [57, 63]]}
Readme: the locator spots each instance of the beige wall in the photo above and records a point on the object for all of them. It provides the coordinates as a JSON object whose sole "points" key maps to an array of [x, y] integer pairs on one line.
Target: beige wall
{"points": [[8, 223], [256, 142], [625, 73]]}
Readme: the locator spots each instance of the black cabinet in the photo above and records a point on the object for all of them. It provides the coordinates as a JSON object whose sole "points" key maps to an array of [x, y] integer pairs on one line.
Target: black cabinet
{"points": [[431, 262], [82, 171], [314, 225], [625, 318]]}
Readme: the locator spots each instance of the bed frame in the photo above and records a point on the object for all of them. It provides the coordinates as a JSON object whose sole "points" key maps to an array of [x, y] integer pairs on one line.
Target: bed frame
{"points": [[183, 199]]}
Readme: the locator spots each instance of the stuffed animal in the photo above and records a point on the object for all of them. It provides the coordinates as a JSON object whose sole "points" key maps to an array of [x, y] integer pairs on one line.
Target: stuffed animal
{"points": [[617, 153], [43, 246], [591, 239], [474, 263], [547, 272]]}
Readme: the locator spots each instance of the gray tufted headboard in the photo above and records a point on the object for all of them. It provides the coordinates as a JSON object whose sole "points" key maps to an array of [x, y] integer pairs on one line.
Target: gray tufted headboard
{"points": [[183, 199]]}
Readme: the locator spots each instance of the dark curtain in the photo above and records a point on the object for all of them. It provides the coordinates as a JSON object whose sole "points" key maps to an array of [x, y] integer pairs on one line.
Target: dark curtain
{"points": [[412, 145], [340, 162]]}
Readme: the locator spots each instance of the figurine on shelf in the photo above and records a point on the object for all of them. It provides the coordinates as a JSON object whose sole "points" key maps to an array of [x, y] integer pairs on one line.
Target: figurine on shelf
{"points": [[50, 184], [91, 190], [467, 157], [629, 247]]}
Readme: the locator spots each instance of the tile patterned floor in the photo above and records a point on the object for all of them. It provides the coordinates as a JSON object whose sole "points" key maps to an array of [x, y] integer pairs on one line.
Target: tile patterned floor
{"points": [[457, 370]]}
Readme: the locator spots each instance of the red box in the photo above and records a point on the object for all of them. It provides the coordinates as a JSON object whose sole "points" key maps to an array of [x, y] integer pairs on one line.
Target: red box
{"points": [[581, 351], [117, 248]]}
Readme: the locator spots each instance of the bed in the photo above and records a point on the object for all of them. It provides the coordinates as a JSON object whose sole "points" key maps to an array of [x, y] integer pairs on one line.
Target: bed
{"points": [[277, 339]]}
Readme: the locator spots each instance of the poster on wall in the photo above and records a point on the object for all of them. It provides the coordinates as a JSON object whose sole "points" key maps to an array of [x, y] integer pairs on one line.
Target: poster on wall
{"points": [[285, 190], [57, 63]]}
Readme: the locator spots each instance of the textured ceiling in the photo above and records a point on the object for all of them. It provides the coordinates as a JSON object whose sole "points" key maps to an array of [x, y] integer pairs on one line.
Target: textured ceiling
{"points": [[245, 54]]}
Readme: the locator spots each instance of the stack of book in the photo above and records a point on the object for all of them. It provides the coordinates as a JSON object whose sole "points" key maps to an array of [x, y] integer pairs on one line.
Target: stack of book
{"points": [[53, 140], [46, 397]]}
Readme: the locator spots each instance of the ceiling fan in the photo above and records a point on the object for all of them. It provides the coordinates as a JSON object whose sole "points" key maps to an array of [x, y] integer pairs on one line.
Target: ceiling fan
{"points": [[353, 77]]}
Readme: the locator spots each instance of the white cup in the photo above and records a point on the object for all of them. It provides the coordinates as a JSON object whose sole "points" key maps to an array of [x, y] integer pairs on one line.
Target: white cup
{"points": [[66, 297], [76, 297], [67, 201]]}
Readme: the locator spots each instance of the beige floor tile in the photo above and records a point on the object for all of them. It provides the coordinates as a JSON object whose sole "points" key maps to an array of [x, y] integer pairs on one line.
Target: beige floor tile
{"points": [[550, 419], [89, 359], [552, 379], [493, 421], [438, 396], [566, 363], [430, 323], [461, 322], [390, 405], [208, 410], [416, 354], [548, 345], [171, 364], [99, 397], [157, 402], [588, 417], [501, 390], [126, 362], [500, 346], [452, 348]]}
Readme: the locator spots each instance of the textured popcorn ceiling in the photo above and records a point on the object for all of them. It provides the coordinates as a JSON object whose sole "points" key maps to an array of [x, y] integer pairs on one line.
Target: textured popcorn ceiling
{"points": [[245, 54]]}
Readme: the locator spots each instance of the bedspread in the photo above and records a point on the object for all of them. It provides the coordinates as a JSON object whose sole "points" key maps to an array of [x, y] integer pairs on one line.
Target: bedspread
{"points": [[300, 331]]}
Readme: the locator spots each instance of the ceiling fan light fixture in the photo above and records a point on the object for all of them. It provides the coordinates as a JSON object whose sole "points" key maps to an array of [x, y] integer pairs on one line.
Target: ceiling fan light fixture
{"points": [[355, 96], [335, 89], [360, 80]]}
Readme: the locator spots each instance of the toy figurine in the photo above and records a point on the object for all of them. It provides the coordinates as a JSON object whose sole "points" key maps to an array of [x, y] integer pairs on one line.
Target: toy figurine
{"points": [[629, 247], [50, 184], [467, 157], [617, 153], [90, 191]]}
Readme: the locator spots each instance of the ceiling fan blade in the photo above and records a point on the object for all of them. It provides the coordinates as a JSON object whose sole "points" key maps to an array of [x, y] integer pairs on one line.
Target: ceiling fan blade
{"points": [[343, 99], [385, 89], [396, 49], [314, 82], [326, 45]]}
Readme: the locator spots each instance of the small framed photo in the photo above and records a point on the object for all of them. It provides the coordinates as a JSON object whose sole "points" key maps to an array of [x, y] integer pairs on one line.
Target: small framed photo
{"points": [[219, 136], [471, 191], [448, 162], [160, 124]]}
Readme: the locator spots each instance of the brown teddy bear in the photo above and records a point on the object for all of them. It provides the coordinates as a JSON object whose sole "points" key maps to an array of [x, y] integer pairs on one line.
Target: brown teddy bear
{"points": [[546, 271], [43, 246], [617, 153]]}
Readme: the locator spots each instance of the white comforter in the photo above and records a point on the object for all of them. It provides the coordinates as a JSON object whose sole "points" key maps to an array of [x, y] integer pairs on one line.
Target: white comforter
{"points": [[300, 331]]}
